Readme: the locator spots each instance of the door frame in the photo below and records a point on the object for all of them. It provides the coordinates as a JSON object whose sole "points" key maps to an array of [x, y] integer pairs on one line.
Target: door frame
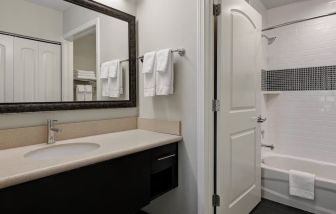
{"points": [[69, 38], [205, 116]]}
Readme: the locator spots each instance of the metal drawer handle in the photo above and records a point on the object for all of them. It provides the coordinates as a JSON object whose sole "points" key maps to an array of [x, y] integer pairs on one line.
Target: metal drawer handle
{"points": [[166, 157]]}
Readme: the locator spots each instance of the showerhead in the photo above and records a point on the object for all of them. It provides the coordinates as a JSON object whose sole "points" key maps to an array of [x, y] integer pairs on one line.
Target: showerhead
{"points": [[270, 40]]}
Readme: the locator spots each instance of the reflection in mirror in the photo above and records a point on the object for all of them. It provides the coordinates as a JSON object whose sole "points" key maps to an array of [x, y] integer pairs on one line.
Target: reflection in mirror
{"points": [[55, 51]]}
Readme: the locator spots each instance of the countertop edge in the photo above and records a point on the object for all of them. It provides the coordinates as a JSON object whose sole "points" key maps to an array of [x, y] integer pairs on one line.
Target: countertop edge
{"points": [[6, 182]]}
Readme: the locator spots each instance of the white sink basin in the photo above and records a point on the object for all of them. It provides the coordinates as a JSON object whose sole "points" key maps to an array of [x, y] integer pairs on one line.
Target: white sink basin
{"points": [[61, 151]]}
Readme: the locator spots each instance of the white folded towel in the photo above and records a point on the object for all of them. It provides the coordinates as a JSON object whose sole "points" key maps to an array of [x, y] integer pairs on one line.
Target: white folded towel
{"points": [[162, 59], [148, 69], [165, 72], [86, 77], [104, 75], [301, 184], [121, 81], [88, 93], [104, 70], [149, 61], [80, 93], [115, 79], [114, 66], [83, 72]]}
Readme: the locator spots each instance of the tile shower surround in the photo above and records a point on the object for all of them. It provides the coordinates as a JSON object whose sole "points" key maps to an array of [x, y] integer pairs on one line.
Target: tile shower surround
{"points": [[303, 124], [301, 121]]}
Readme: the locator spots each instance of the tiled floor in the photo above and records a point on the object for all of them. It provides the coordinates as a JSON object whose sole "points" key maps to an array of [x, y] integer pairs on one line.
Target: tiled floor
{"points": [[270, 207]]}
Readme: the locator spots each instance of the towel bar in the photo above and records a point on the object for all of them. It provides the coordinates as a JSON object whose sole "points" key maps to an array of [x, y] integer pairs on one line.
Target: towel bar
{"points": [[180, 51]]}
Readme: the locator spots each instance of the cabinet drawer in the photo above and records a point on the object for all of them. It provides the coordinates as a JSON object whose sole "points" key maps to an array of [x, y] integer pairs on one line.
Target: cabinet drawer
{"points": [[164, 172], [164, 157]]}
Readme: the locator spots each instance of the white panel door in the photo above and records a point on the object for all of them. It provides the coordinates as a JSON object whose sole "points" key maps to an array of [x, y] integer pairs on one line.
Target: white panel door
{"points": [[6, 69], [25, 70], [49, 73], [238, 89]]}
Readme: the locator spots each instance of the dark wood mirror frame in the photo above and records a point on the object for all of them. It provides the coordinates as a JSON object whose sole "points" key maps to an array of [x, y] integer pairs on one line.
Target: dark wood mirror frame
{"points": [[57, 106]]}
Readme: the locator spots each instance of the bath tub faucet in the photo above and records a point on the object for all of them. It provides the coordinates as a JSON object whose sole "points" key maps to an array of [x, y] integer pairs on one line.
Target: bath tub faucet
{"points": [[51, 131], [268, 146]]}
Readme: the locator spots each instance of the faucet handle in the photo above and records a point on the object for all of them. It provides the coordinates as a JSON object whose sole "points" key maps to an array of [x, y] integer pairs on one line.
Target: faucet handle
{"points": [[51, 126], [50, 121], [271, 146], [260, 119]]}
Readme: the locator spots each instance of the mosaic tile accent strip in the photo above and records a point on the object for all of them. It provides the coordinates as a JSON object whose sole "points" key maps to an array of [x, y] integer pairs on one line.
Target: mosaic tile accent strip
{"points": [[263, 80], [299, 79]]}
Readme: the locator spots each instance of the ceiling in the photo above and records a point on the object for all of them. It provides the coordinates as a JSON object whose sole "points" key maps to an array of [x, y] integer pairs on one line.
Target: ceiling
{"points": [[59, 5], [269, 4]]}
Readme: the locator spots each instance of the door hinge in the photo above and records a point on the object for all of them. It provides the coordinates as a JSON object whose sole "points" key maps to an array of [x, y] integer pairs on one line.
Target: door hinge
{"points": [[217, 9], [215, 200], [215, 105]]}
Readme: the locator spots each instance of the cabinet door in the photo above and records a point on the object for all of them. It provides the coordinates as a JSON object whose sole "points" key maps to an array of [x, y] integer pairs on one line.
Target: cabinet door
{"points": [[25, 70], [118, 186], [49, 73], [6, 69]]}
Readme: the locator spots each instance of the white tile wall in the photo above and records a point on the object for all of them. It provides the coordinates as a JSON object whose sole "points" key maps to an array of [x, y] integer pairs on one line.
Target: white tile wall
{"points": [[303, 124], [305, 44], [299, 10]]}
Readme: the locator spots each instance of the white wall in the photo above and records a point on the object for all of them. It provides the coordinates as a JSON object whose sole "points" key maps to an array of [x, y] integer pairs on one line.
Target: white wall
{"points": [[300, 10], [305, 44], [84, 52], [29, 119], [258, 5], [163, 24], [25, 18], [302, 123]]}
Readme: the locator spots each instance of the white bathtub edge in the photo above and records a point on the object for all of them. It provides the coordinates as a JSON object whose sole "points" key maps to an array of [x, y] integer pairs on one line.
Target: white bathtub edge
{"points": [[275, 185]]}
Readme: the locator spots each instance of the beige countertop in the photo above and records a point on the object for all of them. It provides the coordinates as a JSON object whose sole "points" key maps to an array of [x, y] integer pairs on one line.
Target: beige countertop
{"points": [[15, 168]]}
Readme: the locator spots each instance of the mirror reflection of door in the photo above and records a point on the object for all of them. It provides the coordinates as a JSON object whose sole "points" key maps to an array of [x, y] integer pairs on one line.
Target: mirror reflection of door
{"points": [[54, 51], [84, 64]]}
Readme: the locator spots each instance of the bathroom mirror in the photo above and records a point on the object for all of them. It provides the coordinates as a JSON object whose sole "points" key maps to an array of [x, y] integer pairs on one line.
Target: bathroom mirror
{"points": [[65, 54]]}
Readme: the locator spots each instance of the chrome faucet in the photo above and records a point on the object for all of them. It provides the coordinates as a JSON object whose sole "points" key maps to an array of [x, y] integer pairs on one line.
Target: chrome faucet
{"points": [[268, 146], [52, 130]]}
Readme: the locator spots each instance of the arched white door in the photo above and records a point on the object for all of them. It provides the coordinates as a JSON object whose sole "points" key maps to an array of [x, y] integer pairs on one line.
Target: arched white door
{"points": [[238, 144]]}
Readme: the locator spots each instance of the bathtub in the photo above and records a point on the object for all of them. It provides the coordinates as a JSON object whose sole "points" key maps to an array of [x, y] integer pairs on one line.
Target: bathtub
{"points": [[275, 182]]}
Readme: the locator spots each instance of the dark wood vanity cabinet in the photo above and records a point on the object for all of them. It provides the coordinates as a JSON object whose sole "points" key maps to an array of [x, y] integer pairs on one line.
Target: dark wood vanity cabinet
{"points": [[119, 186], [164, 170]]}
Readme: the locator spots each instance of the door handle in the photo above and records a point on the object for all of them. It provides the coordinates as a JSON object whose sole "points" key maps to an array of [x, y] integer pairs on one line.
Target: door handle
{"points": [[260, 119]]}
